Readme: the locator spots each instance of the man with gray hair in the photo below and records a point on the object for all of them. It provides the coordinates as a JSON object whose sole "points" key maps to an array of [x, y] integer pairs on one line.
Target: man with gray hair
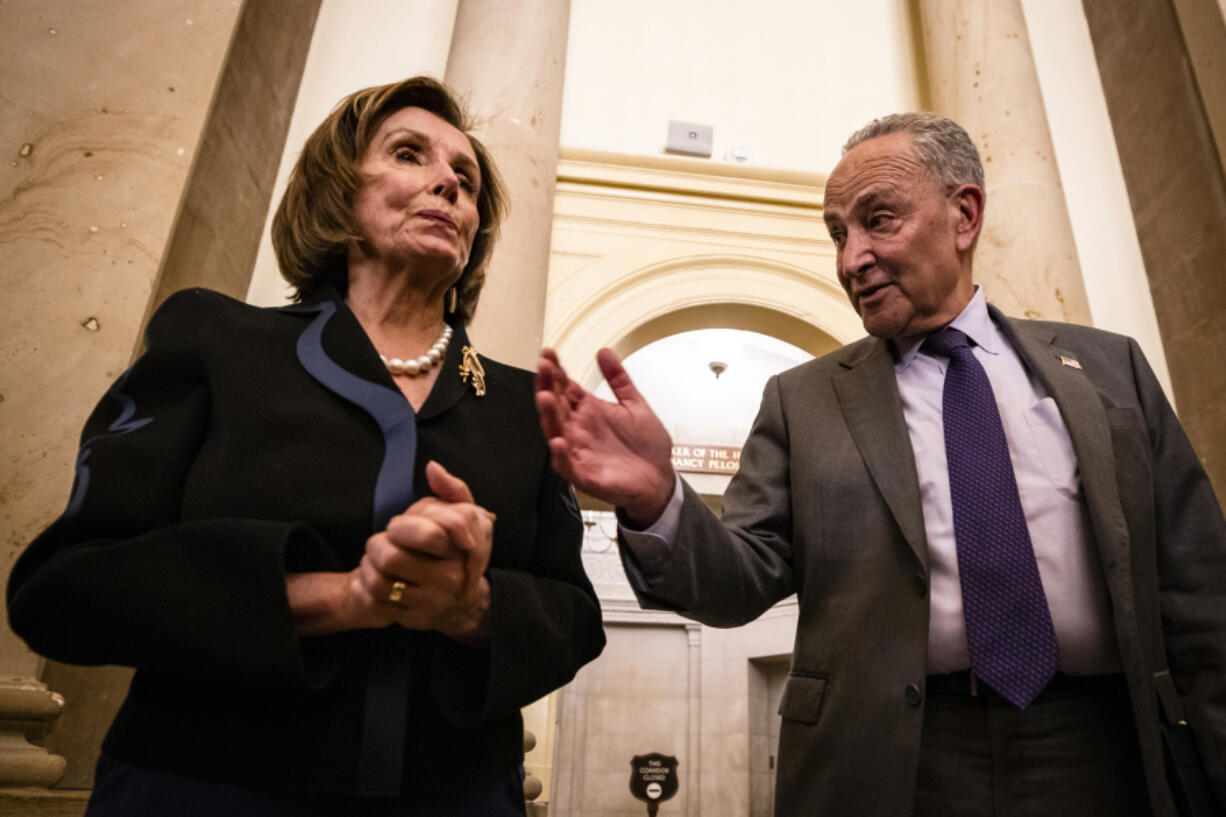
{"points": [[1009, 563]]}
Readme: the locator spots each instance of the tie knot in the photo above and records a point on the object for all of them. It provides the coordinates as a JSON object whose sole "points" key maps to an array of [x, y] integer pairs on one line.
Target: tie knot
{"points": [[947, 342]]}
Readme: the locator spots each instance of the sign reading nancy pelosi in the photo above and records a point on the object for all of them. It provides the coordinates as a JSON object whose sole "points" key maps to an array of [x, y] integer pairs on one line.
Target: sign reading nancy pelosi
{"points": [[707, 459]]}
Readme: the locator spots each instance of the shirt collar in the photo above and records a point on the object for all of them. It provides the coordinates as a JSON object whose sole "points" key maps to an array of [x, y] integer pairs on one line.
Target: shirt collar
{"points": [[974, 322]]}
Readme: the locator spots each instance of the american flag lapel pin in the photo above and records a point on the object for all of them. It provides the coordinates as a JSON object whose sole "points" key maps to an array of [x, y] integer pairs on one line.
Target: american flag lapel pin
{"points": [[1071, 362]]}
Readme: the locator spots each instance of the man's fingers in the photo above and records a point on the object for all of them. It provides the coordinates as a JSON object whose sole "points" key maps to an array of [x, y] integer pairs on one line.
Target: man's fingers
{"points": [[553, 367], [543, 383], [573, 396], [554, 415], [554, 410], [559, 454], [445, 485], [550, 376], [615, 375], [551, 401], [547, 409], [549, 361]]}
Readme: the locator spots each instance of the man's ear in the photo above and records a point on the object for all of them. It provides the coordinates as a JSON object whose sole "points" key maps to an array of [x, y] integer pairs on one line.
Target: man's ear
{"points": [[968, 199]]}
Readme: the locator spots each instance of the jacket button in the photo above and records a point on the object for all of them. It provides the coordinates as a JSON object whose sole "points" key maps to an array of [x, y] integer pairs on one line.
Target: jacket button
{"points": [[921, 584], [913, 695]]}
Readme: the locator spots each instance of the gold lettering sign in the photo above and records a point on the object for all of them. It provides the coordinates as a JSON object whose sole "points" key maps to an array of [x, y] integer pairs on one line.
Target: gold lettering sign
{"points": [[707, 459]]}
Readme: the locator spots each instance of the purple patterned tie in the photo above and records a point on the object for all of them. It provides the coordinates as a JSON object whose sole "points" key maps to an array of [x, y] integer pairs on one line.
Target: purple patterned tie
{"points": [[1009, 632]]}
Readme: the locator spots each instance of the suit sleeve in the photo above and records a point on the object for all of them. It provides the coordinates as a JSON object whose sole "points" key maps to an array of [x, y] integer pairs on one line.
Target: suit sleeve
{"points": [[728, 572], [544, 623], [1191, 555], [120, 578]]}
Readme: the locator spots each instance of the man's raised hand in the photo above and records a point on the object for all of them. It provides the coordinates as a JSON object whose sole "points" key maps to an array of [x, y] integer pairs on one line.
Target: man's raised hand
{"points": [[618, 452]]}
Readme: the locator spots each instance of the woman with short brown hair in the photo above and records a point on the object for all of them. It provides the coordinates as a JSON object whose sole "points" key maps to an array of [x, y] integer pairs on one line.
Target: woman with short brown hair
{"points": [[327, 536], [314, 226]]}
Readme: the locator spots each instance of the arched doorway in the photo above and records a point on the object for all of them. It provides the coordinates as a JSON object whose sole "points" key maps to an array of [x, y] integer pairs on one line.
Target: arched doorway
{"points": [[733, 292]]}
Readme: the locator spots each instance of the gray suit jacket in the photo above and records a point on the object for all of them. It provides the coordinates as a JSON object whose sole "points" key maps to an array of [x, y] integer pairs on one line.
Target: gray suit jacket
{"points": [[827, 505]]}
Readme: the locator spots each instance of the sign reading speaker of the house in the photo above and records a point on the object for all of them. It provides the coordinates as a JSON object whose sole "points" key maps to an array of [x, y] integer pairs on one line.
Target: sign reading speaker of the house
{"points": [[707, 459]]}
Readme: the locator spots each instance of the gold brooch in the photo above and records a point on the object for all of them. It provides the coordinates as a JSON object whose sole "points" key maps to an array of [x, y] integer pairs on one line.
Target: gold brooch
{"points": [[471, 366]]}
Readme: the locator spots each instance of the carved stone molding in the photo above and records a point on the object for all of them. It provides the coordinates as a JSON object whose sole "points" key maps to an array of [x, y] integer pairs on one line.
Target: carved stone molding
{"points": [[27, 709]]}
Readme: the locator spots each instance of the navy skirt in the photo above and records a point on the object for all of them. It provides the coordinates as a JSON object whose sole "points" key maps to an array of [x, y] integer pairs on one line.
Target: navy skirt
{"points": [[123, 790]]}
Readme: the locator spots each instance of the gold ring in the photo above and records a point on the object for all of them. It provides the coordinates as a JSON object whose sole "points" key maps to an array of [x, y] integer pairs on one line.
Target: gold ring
{"points": [[397, 592]]}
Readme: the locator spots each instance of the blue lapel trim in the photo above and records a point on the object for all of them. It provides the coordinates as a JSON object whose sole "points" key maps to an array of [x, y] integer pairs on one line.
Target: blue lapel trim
{"points": [[381, 754], [394, 415]]}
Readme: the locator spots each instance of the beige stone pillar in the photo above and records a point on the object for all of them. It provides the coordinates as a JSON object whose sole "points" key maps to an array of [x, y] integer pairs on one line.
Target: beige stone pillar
{"points": [[1166, 135], [140, 140], [509, 59], [693, 738], [95, 162], [981, 74]]}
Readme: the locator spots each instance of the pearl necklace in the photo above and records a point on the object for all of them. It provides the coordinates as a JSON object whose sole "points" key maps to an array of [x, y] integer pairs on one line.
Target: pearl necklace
{"points": [[420, 365]]}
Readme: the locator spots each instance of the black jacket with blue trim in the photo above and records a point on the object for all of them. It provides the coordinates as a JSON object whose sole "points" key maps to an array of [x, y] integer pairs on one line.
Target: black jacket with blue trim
{"points": [[216, 465]]}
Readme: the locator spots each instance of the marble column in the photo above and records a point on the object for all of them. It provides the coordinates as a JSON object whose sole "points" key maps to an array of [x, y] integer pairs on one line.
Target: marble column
{"points": [[1162, 114], [693, 775], [134, 133], [981, 73], [509, 59], [98, 135]]}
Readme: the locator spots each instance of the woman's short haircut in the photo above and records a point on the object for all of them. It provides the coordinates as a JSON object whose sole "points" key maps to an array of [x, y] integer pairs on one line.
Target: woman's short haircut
{"points": [[314, 226], [942, 145]]}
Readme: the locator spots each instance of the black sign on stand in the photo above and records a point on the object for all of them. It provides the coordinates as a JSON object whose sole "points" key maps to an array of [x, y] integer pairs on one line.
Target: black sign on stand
{"points": [[653, 779]]}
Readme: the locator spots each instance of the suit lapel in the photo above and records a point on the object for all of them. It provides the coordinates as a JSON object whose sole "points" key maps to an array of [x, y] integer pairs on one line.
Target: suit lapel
{"points": [[880, 433], [348, 345], [343, 339], [1081, 407]]}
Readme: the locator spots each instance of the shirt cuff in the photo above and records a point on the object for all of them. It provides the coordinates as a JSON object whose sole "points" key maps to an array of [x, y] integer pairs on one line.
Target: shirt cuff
{"points": [[651, 547]]}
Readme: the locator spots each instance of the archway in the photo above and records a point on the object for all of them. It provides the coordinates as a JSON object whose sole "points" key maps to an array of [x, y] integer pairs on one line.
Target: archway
{"points": [[659, 299]]}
